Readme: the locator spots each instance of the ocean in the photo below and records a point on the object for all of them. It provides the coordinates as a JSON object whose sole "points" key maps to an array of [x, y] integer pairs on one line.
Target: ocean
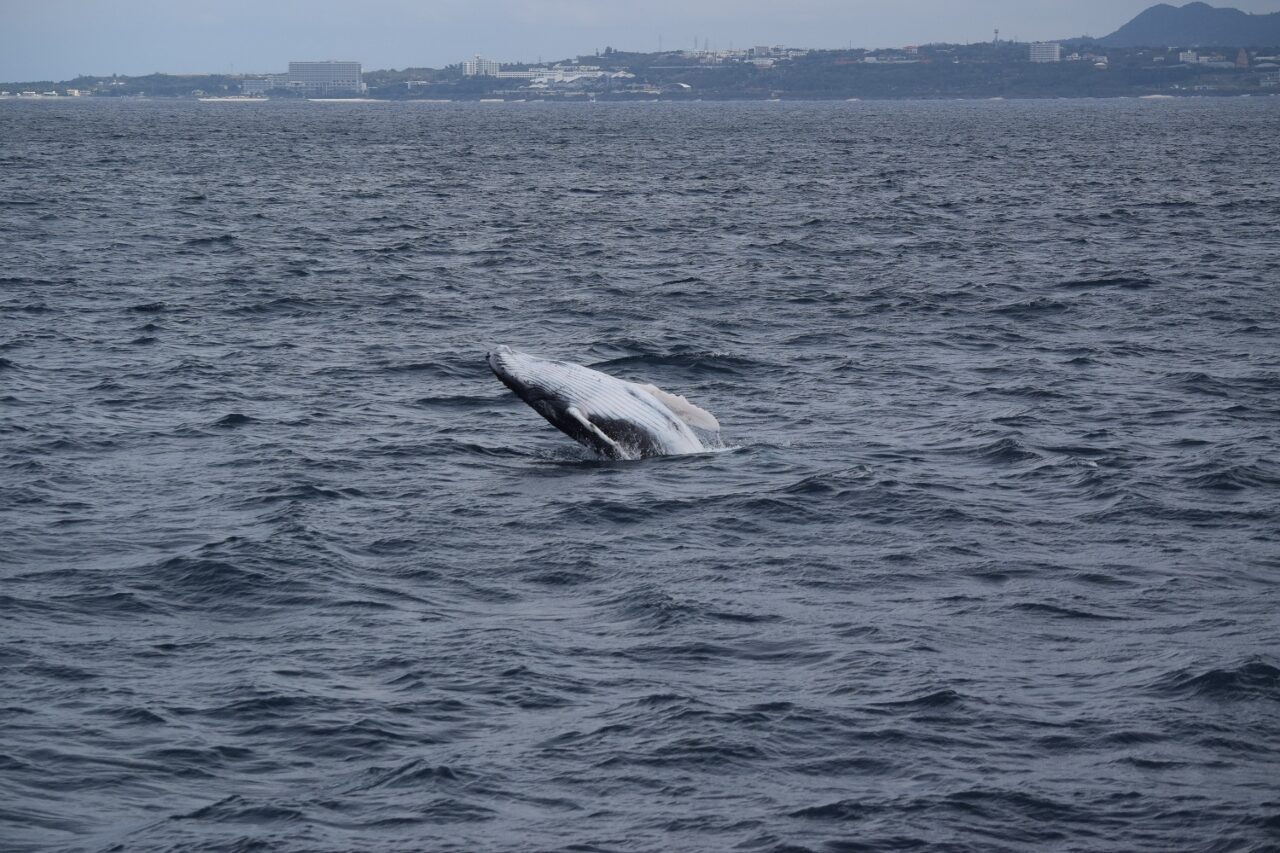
{"points": [[989, 561]]}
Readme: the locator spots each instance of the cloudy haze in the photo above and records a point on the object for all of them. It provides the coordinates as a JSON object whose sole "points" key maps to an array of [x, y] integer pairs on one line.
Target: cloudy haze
{"points": [[58, 39]]}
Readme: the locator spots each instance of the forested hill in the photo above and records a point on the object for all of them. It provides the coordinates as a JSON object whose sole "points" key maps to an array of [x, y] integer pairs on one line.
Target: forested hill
{"points": [[1196, 25]]}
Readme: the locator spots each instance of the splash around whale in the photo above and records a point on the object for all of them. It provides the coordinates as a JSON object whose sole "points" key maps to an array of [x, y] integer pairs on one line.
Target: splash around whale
{"points": [[616, 418]]}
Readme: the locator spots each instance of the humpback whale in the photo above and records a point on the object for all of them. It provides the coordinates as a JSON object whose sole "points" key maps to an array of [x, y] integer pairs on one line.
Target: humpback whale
{"points": [[616, 418]]}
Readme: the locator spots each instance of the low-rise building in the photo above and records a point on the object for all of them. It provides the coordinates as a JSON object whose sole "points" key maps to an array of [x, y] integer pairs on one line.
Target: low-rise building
{"points": [[480, 67]]}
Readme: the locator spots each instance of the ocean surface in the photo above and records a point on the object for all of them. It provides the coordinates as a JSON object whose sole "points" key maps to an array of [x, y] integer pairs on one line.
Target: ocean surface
{"points": [[990, 562]]}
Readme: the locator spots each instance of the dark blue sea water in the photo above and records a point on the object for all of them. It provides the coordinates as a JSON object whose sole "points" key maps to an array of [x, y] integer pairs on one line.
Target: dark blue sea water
{"points": [[991, 562]]}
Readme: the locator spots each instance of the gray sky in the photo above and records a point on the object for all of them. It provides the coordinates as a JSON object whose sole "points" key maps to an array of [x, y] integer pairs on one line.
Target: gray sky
{"points": [[57, 39]]}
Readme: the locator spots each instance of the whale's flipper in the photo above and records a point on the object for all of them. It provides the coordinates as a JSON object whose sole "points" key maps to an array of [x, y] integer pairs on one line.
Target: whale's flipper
{"points": [[684, 410], [578, 416]]}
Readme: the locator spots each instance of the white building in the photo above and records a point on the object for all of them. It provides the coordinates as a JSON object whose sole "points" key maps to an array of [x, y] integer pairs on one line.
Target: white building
{"points": [[1046, 51], [543, 74], [481, 67], [557, 74], [312, 79], [1188, 56], [326, 77]]}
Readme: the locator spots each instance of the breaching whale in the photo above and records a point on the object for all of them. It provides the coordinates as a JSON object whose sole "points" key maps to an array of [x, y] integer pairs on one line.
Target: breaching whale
{"points": [[616, 418]]}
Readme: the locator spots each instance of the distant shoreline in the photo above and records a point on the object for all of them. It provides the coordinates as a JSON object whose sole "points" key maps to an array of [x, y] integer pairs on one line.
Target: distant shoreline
{"points": [[1074, 68], [133, 99]]}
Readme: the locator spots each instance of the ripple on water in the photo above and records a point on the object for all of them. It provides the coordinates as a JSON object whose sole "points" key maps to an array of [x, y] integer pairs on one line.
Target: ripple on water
{"points": [[987, 560]]}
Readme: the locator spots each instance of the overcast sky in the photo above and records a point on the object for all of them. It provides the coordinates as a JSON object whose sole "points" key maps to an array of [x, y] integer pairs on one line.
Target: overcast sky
{"points": [[58, 39]]}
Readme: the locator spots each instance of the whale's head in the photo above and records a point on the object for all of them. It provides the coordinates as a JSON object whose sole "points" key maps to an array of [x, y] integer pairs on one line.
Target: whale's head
{"points": [[514, 368], [525, 374], [539, 382], [501, 358]]}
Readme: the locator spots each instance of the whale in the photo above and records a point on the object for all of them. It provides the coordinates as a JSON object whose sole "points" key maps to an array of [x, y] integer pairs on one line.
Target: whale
{"points": [[616, 418]]}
